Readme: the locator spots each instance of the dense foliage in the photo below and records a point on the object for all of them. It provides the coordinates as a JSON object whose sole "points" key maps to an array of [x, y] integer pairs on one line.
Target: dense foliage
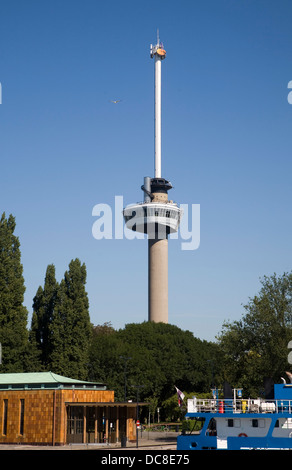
{"points": [[257, 345], [156, 356], [61, 328], [60, 331], [13, 315], [148, 358]]}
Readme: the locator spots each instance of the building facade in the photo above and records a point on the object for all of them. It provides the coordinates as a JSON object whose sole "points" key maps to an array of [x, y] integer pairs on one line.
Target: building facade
{"points": [[49, 409]]}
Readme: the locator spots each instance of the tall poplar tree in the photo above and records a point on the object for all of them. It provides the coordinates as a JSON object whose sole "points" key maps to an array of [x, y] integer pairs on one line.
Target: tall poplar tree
{"points": [[13, 314], [70, 327], [43, 307]]}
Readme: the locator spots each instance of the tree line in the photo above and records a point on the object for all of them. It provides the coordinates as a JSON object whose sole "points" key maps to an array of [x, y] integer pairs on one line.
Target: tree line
{"points": [[60, 330], [151, 358]]}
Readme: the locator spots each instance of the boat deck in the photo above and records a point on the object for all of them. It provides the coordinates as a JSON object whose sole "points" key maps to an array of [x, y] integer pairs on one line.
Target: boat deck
{"points": [[198, 405]]}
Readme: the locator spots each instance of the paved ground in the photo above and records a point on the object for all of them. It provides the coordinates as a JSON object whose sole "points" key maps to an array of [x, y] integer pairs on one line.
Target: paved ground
{"points": [[149, 440]]}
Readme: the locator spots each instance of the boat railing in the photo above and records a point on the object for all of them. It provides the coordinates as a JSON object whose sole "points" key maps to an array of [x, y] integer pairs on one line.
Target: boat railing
{"points": [[202, 405]]}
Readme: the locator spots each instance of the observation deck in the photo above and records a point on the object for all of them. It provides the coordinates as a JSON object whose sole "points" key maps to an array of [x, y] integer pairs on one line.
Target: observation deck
{"points": [[156, 215], [153, 217]]}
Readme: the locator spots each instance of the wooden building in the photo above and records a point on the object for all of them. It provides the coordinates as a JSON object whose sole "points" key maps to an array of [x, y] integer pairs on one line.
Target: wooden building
{"points": [[49, 409]]}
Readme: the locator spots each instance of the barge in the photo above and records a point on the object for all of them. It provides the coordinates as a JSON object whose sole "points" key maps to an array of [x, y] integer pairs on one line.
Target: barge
{"points": [[236, 423]]}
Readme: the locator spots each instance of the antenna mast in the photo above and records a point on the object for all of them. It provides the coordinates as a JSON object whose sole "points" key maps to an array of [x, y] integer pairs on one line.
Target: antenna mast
{"points": [[159, 54]]}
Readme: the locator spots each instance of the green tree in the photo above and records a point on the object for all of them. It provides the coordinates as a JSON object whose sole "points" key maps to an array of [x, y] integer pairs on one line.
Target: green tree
{"points": [[70, 328], [13, 314], [43, 308], [256, 346], [164, 356], [105, 363], [161, 356]]}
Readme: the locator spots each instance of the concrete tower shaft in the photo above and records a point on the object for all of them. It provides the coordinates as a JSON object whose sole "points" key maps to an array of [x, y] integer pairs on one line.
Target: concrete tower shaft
{"points": [[158, 280]]}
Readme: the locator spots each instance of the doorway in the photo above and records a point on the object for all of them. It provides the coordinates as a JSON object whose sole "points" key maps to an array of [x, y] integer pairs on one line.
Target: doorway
{"points": [[75, 425]]}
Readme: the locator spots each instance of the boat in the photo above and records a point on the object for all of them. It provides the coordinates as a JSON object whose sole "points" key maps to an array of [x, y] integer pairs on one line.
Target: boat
{"points": [[236, 423]]}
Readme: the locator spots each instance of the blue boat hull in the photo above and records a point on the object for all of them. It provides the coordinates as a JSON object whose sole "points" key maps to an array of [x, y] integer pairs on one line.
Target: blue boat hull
{"points": [[192, 442]]}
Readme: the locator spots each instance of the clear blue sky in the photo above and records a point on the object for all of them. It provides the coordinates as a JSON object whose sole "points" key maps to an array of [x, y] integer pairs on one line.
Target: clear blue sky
{"points": [[226, 145]]}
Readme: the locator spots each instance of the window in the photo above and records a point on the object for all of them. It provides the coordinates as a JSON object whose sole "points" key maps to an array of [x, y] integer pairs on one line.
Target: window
{"points": [[233, 423], [212, 428], [287, 423], [258, 423], [21, 420], [5, 414]]}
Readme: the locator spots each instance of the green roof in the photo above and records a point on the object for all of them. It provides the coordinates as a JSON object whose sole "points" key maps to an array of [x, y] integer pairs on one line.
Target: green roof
{"points": [[44, 380]]}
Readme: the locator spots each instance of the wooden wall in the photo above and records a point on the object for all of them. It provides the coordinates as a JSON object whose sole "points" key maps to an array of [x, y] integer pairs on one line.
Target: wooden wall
{"points": [[44, 413]]}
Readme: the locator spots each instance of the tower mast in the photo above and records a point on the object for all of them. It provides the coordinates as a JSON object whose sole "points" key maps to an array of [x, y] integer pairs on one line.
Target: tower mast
{"points": [[159, 54]]}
